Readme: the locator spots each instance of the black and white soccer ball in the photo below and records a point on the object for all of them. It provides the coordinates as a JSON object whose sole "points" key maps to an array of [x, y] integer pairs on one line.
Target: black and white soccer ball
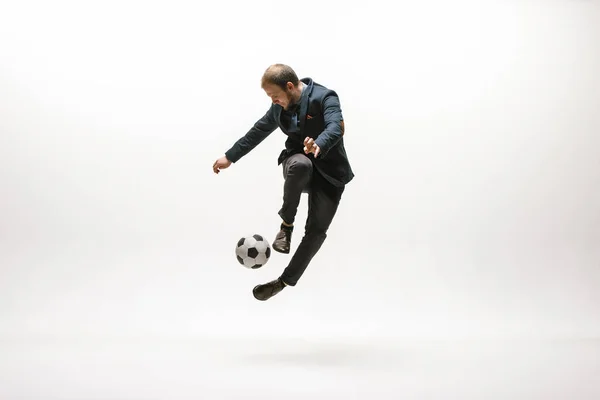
{"points": [[253, 251]]}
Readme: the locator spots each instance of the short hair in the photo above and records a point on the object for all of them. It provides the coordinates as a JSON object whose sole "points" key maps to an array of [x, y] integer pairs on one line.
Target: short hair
{"points": [[280, 75]]}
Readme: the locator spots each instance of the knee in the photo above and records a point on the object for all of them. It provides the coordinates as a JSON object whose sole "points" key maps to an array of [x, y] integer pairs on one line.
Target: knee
{"points": [[300, 165], [316, 232]]}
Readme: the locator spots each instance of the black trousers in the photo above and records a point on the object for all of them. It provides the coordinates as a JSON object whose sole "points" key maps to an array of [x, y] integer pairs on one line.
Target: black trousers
{"points": [[323, 201]]}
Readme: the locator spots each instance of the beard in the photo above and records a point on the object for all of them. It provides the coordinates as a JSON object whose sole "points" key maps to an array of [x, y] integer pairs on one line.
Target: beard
{"points": [[292, 102]]}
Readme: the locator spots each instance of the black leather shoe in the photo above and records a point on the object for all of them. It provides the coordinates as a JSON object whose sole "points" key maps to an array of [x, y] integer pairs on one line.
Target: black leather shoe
{"points": [[267, 290], [283, 239]]}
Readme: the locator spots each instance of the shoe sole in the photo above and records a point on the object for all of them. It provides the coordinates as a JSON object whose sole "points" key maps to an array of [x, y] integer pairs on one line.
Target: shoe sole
{"points": [[281, 251]]}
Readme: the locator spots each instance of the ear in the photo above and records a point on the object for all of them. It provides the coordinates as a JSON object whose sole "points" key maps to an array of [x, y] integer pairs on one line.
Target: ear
{"points": [[289, 86]]}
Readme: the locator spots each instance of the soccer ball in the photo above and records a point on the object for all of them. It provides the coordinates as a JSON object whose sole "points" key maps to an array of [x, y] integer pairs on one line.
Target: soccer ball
{"points": [[253, 251]]}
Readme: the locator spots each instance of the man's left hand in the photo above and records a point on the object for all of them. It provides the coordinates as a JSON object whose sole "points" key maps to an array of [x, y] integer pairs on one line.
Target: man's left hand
{"points": [[311, 147]]}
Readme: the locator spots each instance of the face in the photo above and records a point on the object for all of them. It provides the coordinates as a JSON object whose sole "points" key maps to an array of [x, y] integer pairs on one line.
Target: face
{"points": [[284, 98]]}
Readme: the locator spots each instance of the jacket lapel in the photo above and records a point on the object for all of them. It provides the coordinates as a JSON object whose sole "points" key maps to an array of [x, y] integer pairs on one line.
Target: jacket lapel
{"points": [[304, 103]]}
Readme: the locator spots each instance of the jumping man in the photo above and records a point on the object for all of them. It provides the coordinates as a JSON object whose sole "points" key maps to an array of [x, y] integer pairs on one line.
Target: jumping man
{"points": [[314, 161]]}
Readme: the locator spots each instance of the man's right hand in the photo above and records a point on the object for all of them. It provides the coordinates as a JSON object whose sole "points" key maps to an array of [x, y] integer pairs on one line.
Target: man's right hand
{"points": [[220, 164]]}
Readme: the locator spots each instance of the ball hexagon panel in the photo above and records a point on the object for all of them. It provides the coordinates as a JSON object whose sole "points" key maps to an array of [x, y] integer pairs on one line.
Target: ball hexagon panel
{"points": [[249, 262], [250, 242], [261, 246], [241, 251], [261, 258]]}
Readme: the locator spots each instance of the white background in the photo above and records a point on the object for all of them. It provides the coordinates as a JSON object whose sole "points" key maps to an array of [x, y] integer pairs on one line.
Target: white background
{"points": [[472, 127]]}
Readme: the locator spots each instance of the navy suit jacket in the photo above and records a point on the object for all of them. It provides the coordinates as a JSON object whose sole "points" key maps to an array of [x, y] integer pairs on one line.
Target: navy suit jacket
{"points": [[320, 117]]}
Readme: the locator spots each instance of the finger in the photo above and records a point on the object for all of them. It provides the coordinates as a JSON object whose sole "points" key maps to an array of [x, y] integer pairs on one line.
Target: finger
{"points": [[317, 150]]}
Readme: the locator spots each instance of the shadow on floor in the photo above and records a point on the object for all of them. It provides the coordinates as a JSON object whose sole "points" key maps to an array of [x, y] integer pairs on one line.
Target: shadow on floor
{"points": [[336, 355]]}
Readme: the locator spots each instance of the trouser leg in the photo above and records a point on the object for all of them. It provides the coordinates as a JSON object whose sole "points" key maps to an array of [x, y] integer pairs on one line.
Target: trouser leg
{"points": [[323, 203], [297, 172]]}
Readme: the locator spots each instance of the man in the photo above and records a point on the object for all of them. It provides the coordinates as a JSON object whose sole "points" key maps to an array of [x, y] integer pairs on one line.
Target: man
{"points": [[314, 161]]}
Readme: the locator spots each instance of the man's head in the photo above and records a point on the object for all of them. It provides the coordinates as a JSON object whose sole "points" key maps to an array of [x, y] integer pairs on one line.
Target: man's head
{"points": [[282, 85]]}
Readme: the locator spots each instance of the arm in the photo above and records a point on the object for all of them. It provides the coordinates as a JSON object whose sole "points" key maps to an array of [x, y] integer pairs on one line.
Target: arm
{"points": [[334, 124], [259, 132]]}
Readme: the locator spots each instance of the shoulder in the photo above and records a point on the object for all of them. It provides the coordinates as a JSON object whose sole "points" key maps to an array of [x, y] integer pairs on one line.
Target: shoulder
{"points": [[318, 88], [319, 92]]}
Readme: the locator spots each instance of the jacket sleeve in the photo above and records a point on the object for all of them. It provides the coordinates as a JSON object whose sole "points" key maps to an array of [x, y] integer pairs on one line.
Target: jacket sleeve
{"points": [[334, 124], [259, 132]]}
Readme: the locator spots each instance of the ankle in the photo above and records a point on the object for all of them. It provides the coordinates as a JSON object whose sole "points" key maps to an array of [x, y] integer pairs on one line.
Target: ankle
{"points": [[286, 225]]}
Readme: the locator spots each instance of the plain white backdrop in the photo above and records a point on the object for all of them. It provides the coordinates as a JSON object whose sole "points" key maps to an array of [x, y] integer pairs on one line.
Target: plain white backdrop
{"points": [[472, 127]]}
